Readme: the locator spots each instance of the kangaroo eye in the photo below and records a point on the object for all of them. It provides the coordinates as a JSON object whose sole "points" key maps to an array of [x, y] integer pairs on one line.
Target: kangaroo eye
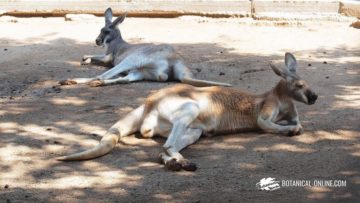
{"points": [[106, 32]]}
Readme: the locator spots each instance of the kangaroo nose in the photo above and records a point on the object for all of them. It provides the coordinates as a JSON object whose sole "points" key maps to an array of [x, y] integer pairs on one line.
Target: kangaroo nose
{"points": [[315, 96], [312, 98], [98, 41]]}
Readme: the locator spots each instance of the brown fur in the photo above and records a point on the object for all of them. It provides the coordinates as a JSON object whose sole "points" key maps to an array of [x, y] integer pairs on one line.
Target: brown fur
{"points": [[183, 112]]}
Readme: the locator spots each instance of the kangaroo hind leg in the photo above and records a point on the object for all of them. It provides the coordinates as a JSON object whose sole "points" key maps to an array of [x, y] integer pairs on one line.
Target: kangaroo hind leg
{"points": [[181, 135]]}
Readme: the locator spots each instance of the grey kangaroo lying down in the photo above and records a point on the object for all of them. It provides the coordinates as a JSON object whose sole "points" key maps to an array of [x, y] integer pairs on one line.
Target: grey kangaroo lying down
{"points": [[137, 61], [182, 113]]}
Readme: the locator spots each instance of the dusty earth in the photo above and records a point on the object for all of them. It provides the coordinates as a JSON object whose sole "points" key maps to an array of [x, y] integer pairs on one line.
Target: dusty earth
{"points": [[40, 121]]}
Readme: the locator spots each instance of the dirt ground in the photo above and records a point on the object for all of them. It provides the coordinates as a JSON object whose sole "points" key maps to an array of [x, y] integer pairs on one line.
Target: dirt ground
{"points": [[39, 121]]}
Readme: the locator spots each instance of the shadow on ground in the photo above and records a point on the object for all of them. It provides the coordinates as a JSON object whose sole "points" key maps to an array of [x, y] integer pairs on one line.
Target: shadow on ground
{"points": [[39, 121]]}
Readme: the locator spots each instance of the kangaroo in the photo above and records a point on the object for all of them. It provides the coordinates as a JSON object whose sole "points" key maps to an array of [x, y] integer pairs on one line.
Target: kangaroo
{"points": [[137, 61], [183, 113]]}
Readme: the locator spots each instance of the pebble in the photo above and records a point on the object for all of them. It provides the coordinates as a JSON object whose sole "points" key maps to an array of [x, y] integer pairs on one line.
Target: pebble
{"points": [[356, 24], [80, 17]]}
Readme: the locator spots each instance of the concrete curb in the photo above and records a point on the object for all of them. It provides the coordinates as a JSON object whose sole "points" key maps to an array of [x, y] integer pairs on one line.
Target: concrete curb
{"points": [[159, 8], [258, 9]]}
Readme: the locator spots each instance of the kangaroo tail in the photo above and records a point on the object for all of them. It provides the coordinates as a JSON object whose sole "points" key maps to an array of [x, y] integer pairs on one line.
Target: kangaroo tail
{"points": [[126, 126], [183, 73], [202, 83]]}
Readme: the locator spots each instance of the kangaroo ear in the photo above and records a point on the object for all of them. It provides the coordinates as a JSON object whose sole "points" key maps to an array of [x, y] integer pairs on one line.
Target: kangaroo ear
{"points": [[290, 62], [108, 16], [118, 20], [278, 71]]}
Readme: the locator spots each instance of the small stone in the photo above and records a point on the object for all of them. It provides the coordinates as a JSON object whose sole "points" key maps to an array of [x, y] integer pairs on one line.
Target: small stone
{"points": [[356, 24], [49, 129], [309, 64], [324, 52], [240, 78], [5, 49], [221, 73], [6, 186], [26, 64], [198, 70], [324, 62], [327, 77], [79, 17]]}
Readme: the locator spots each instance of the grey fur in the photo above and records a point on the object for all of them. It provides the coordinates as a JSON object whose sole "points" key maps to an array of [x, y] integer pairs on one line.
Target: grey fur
{"points": [[137, 61]]}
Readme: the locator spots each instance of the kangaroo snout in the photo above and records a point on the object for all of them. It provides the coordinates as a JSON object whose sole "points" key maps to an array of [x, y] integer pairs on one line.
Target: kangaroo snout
{"points": [[98, 41], [311, 97]]}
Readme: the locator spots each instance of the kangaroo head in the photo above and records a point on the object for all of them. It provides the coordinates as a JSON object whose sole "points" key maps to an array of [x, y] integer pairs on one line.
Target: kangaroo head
{"points": [[295, 87], [110, 31]]}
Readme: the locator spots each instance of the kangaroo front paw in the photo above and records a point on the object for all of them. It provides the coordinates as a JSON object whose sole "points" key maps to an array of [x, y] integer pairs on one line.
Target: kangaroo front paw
{"points": [[67, 82], [297, 131], [96, 83], [85, 61]]}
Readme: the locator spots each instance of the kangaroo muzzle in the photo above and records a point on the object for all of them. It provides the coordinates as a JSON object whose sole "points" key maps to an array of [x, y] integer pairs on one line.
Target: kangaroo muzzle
{"points": [[98, 41], [311, 97]]}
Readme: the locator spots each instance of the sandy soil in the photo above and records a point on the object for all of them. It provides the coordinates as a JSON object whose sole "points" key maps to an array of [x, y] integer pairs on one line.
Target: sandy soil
{"points": [[39, 121]]}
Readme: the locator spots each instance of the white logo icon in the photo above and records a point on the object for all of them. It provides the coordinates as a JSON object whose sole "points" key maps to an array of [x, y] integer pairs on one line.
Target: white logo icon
{"points": [[268, 184]]}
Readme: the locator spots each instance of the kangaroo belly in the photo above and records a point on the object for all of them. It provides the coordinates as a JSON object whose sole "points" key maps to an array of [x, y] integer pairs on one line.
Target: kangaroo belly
{"points": [[153, 124]]}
